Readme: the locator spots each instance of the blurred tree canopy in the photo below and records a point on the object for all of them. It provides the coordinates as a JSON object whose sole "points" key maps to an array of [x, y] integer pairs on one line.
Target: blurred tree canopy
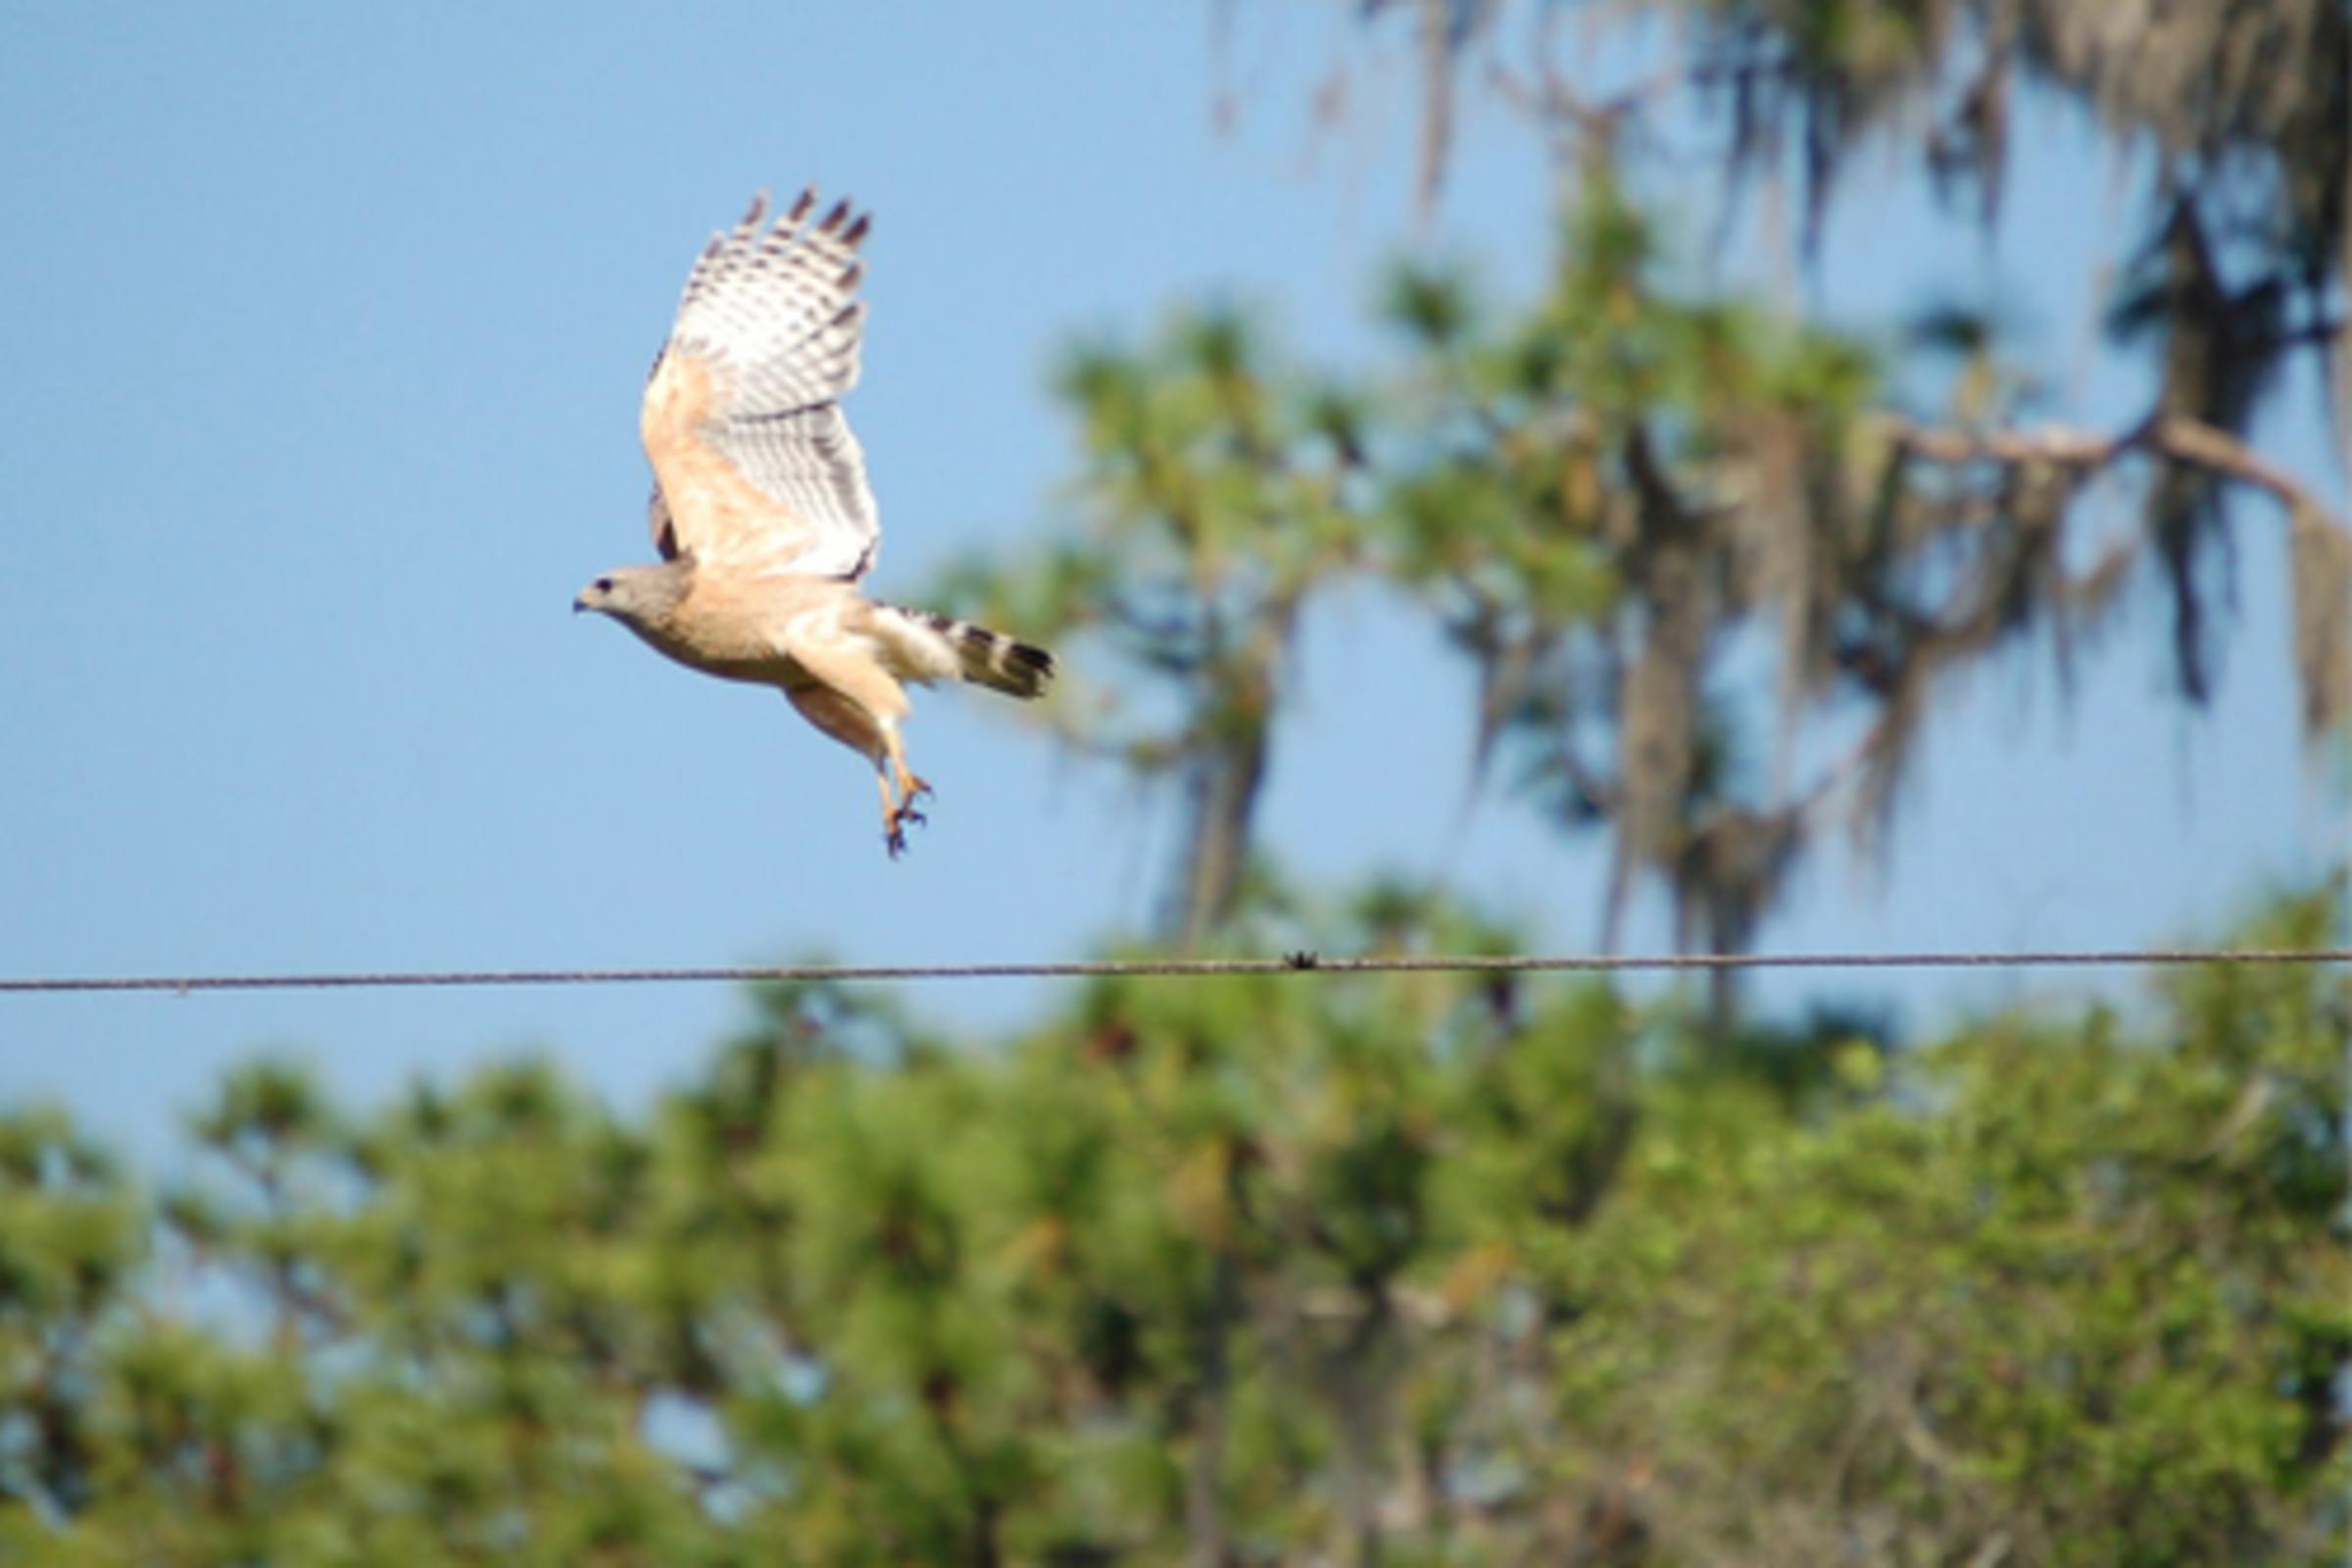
{"points": [[1714, 562], [1279, 1270]]}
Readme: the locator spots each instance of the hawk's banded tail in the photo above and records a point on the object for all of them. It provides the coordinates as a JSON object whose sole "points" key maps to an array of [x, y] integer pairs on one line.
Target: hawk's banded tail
{"points": [[950, 647]]}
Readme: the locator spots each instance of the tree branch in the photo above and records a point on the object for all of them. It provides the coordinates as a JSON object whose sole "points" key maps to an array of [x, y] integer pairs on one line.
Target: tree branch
{"points": [[2172, 435]]}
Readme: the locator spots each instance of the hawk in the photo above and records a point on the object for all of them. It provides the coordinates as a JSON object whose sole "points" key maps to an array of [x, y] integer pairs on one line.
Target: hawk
{"points": [[760, 508]]}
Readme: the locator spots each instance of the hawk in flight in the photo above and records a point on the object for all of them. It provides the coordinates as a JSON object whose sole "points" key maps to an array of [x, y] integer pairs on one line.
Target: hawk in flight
{"points": [[760, 508]]}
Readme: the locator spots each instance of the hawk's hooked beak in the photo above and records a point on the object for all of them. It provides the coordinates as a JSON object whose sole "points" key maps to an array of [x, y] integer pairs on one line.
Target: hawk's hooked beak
{"points": [[578, 603]]}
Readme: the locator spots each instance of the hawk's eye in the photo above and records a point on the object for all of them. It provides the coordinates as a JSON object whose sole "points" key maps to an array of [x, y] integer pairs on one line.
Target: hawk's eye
{"points": [[604, 585]]}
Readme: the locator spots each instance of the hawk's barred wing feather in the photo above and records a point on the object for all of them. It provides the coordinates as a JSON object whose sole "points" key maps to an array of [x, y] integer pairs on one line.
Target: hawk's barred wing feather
{"points": [[754, 463]]}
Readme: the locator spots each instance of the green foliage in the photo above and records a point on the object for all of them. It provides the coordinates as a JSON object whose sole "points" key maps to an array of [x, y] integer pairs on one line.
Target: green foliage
{"points": [[1609, 497], [1220, 492], [1612, 496], [1275, 1269]]}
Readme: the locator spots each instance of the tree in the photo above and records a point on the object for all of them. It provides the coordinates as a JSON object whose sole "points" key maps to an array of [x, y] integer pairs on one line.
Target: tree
{"points": [[1610, 494], [1222, 496], [1277, 1269], [2237, 264]]}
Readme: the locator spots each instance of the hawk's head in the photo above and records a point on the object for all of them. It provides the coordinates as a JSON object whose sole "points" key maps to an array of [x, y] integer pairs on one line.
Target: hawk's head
{"points": [[634, 595]]}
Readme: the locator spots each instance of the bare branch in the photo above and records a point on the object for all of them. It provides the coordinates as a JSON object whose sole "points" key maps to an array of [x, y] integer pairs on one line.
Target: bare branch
{"points": [[2211, 447], [2174, 435]]}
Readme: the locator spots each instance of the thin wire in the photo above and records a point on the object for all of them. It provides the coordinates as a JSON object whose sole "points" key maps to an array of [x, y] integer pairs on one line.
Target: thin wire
{"points": [[1181, 969]]}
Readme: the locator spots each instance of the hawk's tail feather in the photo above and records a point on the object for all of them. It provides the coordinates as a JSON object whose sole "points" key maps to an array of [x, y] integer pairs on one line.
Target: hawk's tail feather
{"points": [[988, 658]]}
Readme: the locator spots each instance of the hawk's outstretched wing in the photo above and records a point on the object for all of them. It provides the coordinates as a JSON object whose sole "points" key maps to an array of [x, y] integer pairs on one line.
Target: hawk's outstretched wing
{"points": [[754, 464]]}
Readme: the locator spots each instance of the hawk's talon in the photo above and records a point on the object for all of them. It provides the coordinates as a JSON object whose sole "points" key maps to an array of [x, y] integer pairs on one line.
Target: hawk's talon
{"points": [[901, 816]]}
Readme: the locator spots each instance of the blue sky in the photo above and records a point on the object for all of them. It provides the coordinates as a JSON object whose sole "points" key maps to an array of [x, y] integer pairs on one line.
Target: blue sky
{"points": [[326, 335]]}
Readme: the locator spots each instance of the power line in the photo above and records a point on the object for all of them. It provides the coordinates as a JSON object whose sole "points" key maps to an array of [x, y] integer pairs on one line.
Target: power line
{"points": [[1183, 968]]}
